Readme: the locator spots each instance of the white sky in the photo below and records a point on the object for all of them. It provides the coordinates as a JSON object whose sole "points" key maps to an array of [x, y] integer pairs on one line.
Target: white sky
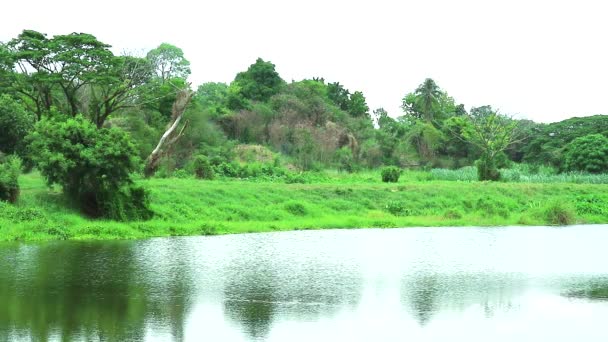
{"points": [[543, 60]]}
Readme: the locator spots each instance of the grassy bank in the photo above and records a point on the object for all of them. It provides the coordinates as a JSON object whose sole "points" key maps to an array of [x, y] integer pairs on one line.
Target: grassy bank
{"points": [[192, 207]]}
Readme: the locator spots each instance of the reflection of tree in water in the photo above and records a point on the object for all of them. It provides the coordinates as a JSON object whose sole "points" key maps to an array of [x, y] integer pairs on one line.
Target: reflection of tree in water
{"points": [[428, 294], [593, 289], [421, 296], [85, 292], [256, 294], [251, 302]]}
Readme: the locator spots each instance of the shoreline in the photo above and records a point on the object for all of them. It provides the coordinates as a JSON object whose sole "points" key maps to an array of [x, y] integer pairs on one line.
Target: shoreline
{"points": [[189, 207]]}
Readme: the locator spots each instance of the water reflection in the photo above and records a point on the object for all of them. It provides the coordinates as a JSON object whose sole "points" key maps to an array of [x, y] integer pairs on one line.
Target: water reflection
{"points": [[85, 291], [419, 284]]}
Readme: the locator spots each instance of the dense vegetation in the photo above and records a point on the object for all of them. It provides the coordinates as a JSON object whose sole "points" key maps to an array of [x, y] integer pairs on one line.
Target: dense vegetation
{"points": [[92, 123]]}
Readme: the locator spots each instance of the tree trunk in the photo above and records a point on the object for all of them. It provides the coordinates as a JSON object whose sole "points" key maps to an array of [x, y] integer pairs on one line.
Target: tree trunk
{"points": [[171, 135]]}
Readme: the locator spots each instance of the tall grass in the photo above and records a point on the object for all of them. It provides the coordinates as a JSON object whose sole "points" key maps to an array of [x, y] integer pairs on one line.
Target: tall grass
{"points": [[521, 174]]}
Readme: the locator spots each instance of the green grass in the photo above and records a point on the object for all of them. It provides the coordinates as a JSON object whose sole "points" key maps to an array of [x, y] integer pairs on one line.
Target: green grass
{"points": [[193, 207]]}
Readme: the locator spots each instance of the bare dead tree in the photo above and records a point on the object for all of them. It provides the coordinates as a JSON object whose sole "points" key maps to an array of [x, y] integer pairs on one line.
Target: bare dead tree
{"points": [[172, 134]]}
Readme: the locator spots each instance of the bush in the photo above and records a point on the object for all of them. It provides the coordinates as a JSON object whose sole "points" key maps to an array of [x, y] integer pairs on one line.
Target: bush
{"points": [[588, 154], [10, 169], [390, 174], [92, 166], [487, 169], [397, 208], [296, 208], [202, 168], [558, 213]]}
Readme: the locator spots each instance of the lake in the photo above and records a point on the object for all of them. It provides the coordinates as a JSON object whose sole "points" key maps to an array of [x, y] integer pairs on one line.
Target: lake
{"points": [[415, 284]]}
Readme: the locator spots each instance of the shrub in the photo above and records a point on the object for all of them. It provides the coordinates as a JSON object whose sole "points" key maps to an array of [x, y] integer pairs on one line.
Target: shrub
{"points": [[453, 214], [588, 154], [10, 169], [296, 208], [397, 208], [202, 168], [390, 174], [92, 166], [487, 169], [558, 213]]}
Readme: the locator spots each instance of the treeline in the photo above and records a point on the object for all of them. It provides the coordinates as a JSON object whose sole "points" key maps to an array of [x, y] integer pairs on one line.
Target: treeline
{"points": [[88, 119]]}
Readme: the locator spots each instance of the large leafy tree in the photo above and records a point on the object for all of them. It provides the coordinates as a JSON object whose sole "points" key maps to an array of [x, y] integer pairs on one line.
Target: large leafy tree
{"points": [[357, 106], [213, 97], [121, 85], [169, 62], [75, 73], [547, 142], [15, 124], [62, 65], [339, 95], [588, 153], [92, 165], [492, 133], [259, 82]]}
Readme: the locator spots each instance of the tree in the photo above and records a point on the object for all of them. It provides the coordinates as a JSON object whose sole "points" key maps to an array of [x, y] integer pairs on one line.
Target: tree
{"points": [[548, 140], [260, 81], [172, 134], [10, 169], [213, 97], [588, 154], [15, 122], [75, 73], [428, 94], [426, 138], [92, 165], [339, 95], [357, 106], [168, 62], [119, 87], [492, 133], [62, 65]]}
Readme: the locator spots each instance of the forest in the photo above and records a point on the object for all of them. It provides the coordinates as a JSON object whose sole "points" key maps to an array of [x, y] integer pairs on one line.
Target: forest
{"points": [[95, 144]]}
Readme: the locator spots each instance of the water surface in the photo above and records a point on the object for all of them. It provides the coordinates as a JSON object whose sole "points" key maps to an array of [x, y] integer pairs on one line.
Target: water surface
{"points": [[418, 284]]}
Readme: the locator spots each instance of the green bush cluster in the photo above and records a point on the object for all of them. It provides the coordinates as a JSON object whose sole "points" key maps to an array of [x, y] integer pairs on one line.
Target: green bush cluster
{"points": [[559, 213], [390, 174], [202, 168], [10, 169], [92, 165], [588, 154]]}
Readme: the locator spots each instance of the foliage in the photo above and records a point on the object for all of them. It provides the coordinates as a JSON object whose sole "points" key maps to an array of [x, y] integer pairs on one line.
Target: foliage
{"points": [[168, 62], [15, 122], [559, 213], [259, 82], [92, 165], [492, 134], [390, 174], [10, 169], [202, 167], [75, 73], [548, 140], [588, 154], [213, 97]]}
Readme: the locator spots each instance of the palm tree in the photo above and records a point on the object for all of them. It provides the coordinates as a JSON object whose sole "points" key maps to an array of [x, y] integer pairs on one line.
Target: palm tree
{"points": [[427, 97]]}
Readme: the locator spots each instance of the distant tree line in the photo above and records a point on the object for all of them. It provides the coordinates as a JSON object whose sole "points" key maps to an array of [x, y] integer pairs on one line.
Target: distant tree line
{"points": [[88, 119]]}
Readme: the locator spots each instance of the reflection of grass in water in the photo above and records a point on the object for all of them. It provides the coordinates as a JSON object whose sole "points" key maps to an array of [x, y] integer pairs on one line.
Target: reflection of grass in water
{"points": [[594, 291]]}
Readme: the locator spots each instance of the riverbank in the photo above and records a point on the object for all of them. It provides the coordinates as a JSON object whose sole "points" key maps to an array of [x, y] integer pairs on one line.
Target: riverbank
{"points": [[192, 207]]}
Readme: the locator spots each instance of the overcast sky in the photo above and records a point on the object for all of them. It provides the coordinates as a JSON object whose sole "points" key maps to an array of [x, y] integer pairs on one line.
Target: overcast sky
{"points": [[542, 60]]}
